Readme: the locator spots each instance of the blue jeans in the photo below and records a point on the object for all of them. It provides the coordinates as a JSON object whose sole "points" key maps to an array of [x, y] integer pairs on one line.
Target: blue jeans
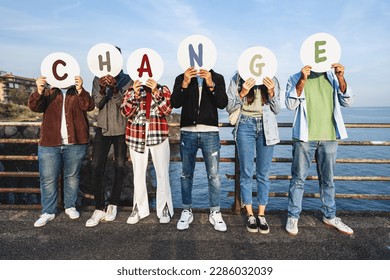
{"points": [[325, 153], [209, 143], [251, 143], [51, 160]]}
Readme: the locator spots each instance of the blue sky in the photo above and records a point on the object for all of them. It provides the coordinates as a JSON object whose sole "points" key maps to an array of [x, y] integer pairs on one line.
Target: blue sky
{"points": [[30, 30]]}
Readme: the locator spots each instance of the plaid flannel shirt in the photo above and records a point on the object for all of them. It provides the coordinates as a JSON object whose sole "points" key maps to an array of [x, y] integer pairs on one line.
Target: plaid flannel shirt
{"points": [[135, 110]]}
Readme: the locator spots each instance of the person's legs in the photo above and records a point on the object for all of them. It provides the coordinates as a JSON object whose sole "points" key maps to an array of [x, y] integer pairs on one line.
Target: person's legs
{"points": [[161, 158], [303, 153], [188, 149], [100, 149], [210, 145], [246, 139], [264, 156], [50, 163], [189, 144], [326, 160], [140, 197], [73, 156], [120, 152]]}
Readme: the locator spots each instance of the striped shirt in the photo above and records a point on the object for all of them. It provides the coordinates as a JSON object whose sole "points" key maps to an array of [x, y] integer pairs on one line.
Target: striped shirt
{"points": [[136, 111]]}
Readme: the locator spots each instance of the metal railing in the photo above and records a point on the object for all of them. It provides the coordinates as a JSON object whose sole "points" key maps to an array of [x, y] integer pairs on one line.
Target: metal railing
{"points": [[237, 204]]}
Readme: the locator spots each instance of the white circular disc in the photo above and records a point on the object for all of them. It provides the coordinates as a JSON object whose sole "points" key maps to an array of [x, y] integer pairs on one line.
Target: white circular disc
{"points": [[320, 51], [60, 69], [198, 51], [144, 64], [257, 62], [104, 59]]}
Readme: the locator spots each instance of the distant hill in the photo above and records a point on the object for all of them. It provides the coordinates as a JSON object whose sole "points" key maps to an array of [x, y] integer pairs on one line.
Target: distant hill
{"points": [[17, 113]]}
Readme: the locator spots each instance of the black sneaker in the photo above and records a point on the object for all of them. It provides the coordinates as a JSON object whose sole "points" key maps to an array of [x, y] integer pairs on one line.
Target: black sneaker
{"points": [[263, 226], [251, 224]]}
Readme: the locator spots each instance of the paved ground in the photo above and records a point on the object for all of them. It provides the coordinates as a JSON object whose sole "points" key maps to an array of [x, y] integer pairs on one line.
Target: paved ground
{"points": [[65, 239]]}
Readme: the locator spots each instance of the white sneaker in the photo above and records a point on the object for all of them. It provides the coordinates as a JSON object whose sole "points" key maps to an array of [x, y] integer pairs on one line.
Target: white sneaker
{"points": [[165, 218], [111, 213], [186, 219], [292, 226], [337, 223], [134, 217], [72, 213], [216, 220], [43, 219], [97, 216]]}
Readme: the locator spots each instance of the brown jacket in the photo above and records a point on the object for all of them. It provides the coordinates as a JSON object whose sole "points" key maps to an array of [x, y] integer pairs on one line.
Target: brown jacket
{"points": [[76, 106]]}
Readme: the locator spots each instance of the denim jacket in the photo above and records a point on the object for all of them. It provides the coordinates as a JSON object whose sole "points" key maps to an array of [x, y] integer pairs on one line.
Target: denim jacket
{"points": [[293, 102], [270, 110]]}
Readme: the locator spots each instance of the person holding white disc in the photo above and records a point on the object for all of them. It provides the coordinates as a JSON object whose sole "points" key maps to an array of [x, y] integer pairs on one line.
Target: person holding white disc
{"points": [[63, 143], [256, 133], [146, 106], [316, 94]]}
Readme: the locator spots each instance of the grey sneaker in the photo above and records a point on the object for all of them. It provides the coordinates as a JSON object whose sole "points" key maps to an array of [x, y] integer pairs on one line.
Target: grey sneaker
{"points": [[134, 217], [338, 224], [97, 216], [111, 213], [165, 218], [185, 219], [216, 220], [292, 226], [72, 213], [44, 219]]}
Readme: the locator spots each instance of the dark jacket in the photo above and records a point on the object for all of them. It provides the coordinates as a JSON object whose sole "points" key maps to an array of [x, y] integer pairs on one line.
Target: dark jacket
{"points": [[206, 113], [76, 106]]}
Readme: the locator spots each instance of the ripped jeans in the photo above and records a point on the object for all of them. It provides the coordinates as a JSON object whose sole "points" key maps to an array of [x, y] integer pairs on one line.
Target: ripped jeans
{"points": [[209, 143]]}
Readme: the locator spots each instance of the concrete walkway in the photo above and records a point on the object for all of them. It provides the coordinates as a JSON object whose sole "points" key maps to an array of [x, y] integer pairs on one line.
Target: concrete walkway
{"points": [[65, 239]]}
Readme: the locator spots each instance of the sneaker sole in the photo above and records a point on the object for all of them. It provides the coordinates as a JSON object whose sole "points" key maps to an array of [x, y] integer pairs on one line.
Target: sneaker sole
{"points": [[132, 222], [252, 230], [220, 229], [41, 225], [73, 217], [339, 230], [264, 231], [165, 221], [291, 233], [94, 225], [109, 220]]}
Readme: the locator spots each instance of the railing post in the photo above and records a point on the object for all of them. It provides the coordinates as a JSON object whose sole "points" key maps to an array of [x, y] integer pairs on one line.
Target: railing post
{"points": [[237, 191]]}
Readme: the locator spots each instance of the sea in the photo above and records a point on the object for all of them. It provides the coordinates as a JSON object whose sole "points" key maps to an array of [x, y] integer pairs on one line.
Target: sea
{"points": [[350, 115]]}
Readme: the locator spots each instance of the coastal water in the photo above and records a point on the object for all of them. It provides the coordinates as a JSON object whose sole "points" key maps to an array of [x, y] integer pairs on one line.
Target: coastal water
{"points": [[351, 115]]}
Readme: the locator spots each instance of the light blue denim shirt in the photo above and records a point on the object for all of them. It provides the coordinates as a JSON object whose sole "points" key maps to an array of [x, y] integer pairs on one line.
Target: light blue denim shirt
{"points": [[270, 110], [293, 102]]}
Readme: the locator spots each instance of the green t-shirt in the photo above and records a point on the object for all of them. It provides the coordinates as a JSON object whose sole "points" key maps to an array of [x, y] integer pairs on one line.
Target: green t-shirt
{"points": [[255, 109], [319, 103]]}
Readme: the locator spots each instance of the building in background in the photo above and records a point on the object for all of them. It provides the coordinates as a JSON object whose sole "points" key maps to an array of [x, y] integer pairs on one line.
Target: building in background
{"points": [[14, 88]]}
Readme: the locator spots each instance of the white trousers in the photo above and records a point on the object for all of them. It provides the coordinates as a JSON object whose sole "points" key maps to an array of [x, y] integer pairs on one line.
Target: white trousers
{"points": [[160, 158]]}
